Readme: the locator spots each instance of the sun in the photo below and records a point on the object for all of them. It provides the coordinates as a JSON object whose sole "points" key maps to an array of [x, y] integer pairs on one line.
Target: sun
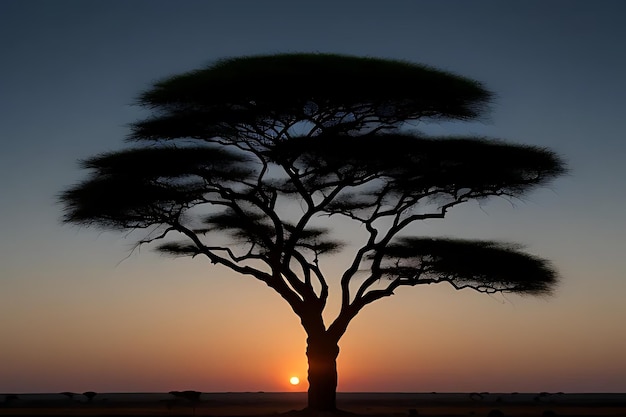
{"points": [[294, 380]]}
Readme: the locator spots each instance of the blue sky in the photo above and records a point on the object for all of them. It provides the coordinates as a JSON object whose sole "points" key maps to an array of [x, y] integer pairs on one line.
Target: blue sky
{"points": [[69, 75]]}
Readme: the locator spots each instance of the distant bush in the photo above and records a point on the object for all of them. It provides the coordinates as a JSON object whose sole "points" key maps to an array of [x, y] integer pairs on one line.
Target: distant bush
{"points": [[89, 395], [475, 396], [192, 396], [69, 394]]}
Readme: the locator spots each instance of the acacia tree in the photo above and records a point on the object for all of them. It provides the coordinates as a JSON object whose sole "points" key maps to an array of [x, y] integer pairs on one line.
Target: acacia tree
{"points": [[215, 172]]}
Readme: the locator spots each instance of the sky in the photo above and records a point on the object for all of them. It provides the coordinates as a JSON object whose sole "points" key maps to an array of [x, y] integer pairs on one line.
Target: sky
{"points": [[80, 311]]}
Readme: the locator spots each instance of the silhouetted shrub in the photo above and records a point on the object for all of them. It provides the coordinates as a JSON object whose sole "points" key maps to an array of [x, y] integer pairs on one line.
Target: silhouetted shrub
{"points": [[69, 394], [89, 395], [192, 396], [187, 395], [474, 396]]}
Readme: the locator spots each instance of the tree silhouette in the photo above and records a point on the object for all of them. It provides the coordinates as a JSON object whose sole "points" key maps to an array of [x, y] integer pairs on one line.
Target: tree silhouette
{"points": [[231, 147], [69, 395], [90, 395]]}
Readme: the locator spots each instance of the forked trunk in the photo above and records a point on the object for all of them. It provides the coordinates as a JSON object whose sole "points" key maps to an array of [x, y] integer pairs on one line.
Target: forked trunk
{"points": [[322, 356]]}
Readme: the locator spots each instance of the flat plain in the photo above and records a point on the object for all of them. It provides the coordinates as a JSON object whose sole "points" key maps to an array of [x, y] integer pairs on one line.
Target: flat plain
{"points": [[292, 404]]}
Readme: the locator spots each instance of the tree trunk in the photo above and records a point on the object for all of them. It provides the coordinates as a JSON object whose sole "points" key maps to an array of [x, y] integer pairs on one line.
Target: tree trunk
{"points": [[322, 354]]}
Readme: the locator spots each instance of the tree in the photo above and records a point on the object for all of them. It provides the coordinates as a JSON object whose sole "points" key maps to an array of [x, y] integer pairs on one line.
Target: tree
{"points": [[90, 395], [232, 146]]}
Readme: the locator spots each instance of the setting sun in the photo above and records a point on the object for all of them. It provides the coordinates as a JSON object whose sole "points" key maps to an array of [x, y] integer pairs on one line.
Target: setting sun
{"points": [[294, 380]]}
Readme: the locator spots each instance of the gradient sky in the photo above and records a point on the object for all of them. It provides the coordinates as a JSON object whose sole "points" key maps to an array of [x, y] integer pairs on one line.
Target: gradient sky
{"points": [[78, 313]]}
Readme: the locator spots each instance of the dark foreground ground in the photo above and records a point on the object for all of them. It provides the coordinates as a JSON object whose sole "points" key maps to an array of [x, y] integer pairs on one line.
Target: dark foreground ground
{"points": [[290, 404]]}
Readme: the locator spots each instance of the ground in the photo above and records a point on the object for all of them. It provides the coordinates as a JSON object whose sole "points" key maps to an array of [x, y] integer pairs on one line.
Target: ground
{"points": [[292, 405]]}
